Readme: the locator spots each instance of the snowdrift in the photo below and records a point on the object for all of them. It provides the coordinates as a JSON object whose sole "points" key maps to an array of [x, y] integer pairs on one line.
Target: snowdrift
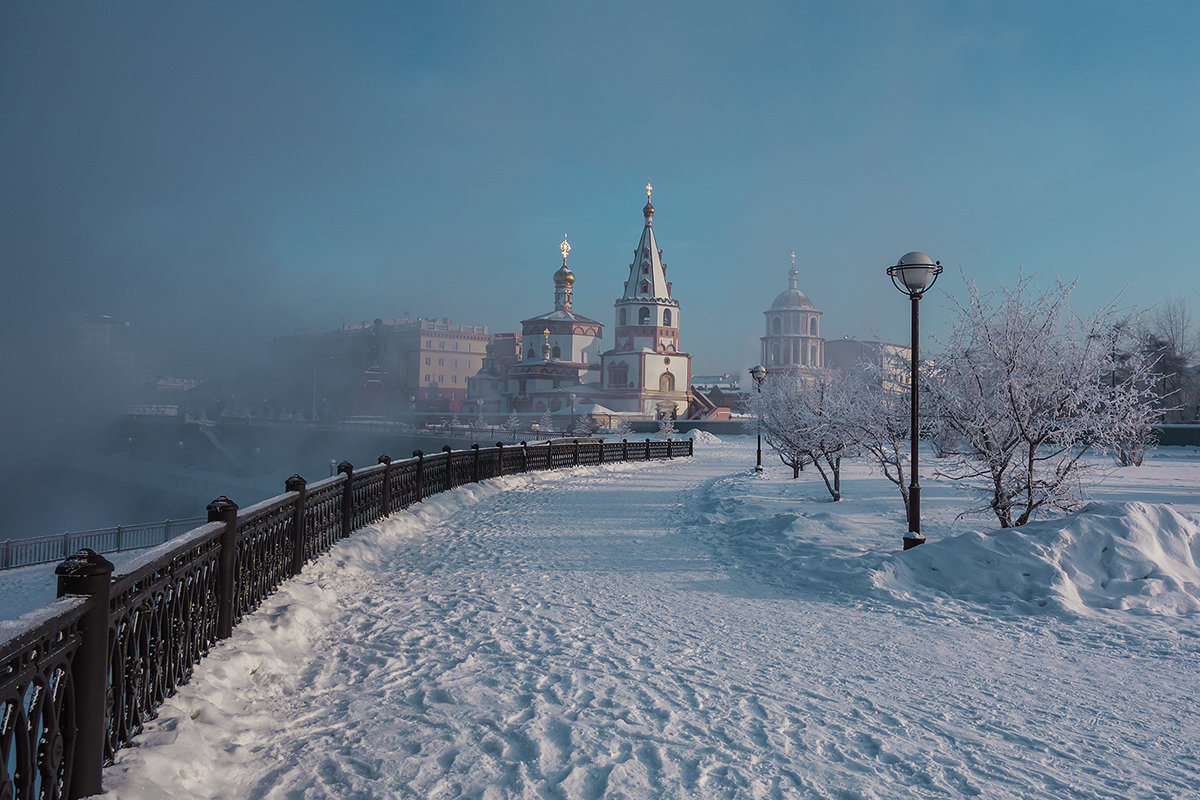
{"points": [[1136, 557]]}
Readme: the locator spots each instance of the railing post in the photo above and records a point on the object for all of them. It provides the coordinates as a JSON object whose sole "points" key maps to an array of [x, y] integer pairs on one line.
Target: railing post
{"points": [[297, 484], [347, 469], [670, 448], [601, 452], [691, 445], [524, 456], [88, 573], [166, 530], [225, 510], [386, 460], [475, 465], [118, 538], [420, 457], [7, 558], [577, 452], [499, 459], [647, 448], [624, 449], [450, 483]]}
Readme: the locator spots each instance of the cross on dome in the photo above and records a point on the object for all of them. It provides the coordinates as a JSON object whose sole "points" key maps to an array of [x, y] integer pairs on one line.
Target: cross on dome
{"points": [[649, 189], [565, 247]]}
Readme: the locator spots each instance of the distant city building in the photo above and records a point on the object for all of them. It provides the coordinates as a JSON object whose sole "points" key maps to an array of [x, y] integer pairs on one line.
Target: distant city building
{"points": [[890, 362], [793, 342], [384, 368]]}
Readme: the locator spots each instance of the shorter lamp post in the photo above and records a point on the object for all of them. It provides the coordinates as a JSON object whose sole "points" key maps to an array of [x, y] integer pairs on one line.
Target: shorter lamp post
{"points": [[913, 274], [758, 372], [572, 431]]}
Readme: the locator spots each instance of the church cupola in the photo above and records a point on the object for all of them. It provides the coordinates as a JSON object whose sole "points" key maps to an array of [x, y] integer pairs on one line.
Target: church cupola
{"points": [[564, 280]]}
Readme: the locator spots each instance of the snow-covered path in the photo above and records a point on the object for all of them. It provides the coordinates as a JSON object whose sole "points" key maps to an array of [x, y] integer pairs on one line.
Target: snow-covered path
{"points": [[620, 632]]}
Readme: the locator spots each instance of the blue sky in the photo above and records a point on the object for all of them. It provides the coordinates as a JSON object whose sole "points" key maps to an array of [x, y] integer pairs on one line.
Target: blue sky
{"points": [[224, 172]]}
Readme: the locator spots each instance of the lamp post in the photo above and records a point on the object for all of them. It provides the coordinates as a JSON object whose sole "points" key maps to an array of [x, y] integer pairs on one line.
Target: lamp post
{"points": [[572, 431], [758, 372], [913, 274]]}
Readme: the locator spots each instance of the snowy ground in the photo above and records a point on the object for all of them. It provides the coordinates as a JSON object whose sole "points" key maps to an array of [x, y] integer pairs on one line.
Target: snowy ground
{"points": [[689, 629]]}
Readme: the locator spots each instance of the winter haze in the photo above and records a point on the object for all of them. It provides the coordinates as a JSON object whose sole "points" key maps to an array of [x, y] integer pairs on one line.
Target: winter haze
{"points": [[219, 174]]}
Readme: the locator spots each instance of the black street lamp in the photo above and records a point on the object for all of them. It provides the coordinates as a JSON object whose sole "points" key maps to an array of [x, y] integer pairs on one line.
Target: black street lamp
{"points": [[759, 372], [913, 274]]}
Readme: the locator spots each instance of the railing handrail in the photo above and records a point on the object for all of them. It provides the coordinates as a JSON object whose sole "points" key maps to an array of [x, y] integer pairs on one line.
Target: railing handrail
{"points": [[126, 640], [40, 550]]}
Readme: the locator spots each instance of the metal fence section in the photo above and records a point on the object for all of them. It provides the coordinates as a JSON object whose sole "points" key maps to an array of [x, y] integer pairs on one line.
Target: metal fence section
{"points": [[80, 677], [56, 547]]}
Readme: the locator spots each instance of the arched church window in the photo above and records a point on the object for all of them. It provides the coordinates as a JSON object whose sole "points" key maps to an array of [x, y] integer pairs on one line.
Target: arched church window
{"points": [[556, 352], [645, 287], [622, 319], [529, 355], [776, 327], [775, 354], [666, 382], [666, 317], [812, 327], [643, 316]]}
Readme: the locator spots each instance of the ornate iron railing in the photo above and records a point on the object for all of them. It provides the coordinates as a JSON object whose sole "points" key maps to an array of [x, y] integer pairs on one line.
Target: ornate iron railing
{"points": [[80, 676]]}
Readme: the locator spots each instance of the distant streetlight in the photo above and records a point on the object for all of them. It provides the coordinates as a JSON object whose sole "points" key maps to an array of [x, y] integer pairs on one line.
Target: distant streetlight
{"points": [[914, 274], [572, 431], [759, 372]]}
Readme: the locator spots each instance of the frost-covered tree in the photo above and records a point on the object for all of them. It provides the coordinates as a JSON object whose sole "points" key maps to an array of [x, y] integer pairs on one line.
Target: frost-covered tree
{"points": [[622, 430], [584, 426], [1028, 389], [666, 428], [804, 421], [512, 424], [878, 414], [546, 423]]}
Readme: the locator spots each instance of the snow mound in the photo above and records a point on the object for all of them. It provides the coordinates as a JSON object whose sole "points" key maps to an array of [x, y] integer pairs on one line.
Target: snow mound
{"points": [[1136, 557], [704, 437]]}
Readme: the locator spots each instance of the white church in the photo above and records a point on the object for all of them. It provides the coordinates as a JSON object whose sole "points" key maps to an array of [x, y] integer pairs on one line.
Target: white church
{"points": [[558, 360]]}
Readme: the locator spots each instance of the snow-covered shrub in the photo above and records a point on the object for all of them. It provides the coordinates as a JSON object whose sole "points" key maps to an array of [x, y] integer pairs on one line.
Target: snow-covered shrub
{"points": [[666, 428]]}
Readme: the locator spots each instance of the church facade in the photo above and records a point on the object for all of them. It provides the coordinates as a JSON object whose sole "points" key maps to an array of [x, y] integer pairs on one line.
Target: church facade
{"points": [[793, 342], [644, 374]]}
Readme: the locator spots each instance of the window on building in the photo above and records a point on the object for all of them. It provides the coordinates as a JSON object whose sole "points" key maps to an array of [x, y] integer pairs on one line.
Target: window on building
{"points": [[643, 316], [812, 327], [454, 379], [666, 382], [442, 345], [454, 362], [622, 319], [618, 375], [426, 377], [427, 361], [645, 287], [441, 362], [529, 355], [521, 386], [556, 352], [776, 326], [557, 384], [441, 378], [666, 317]]}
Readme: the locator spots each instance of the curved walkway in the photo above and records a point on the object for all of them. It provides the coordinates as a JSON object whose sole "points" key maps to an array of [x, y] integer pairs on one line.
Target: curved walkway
{"points": [[596, 633]]}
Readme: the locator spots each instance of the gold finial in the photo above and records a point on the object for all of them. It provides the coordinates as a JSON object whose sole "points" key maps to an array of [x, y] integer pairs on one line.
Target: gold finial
{"points": [[546, 333], [649, 189], [566, 248], [793, 259]]}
